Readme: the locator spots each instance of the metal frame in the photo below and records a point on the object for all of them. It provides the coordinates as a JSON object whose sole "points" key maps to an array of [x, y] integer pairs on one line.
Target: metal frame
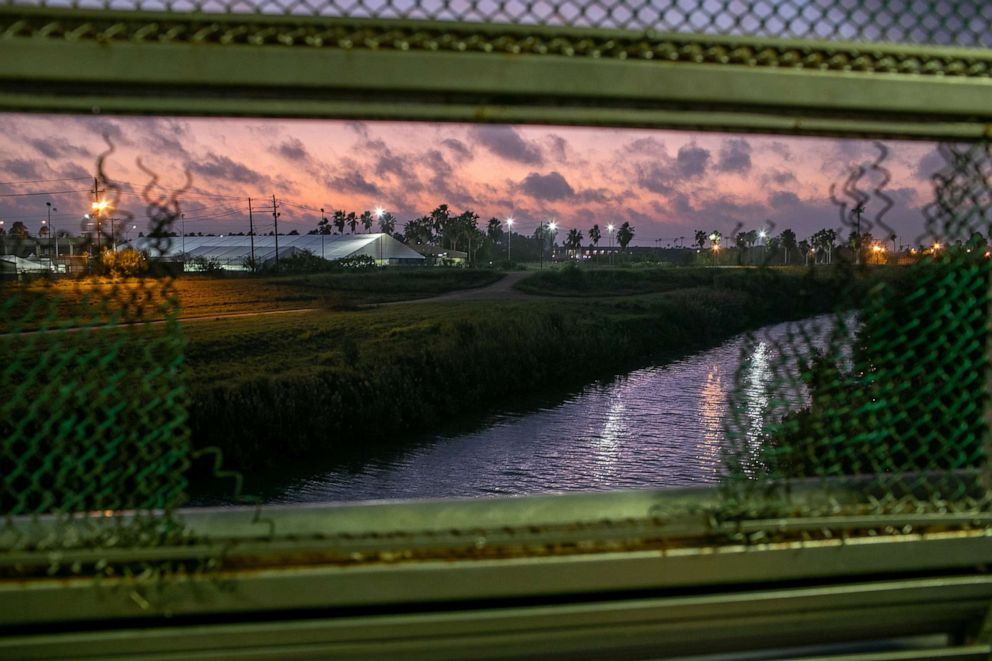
{"points": [[624, 573], [136, 62]]}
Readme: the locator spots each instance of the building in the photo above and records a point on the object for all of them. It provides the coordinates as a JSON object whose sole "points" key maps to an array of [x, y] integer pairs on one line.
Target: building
{"points": [[439, 256], [234, 252]]}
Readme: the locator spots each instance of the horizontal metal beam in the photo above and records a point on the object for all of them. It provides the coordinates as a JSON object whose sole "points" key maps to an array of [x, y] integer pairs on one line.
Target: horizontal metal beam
{"points": [[618, 628], [80, 71]]}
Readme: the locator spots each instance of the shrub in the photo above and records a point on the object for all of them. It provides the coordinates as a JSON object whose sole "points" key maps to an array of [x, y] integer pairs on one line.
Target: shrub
{"points": [[128, 262], [203, 264]]}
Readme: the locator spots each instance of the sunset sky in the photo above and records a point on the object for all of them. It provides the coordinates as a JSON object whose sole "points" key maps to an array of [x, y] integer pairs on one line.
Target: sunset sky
{"points": [[667, 184]]}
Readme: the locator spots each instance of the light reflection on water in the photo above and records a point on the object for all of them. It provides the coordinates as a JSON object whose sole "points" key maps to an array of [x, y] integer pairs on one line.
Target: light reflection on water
{"points": [[657, 427]]}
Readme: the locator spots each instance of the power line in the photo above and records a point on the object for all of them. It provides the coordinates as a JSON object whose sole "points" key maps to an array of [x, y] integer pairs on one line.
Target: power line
{"points": [[56, 192], [39, 181]]}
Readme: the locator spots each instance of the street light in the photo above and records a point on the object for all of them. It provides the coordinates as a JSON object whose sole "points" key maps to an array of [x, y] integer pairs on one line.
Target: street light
{"points": [[98, 208], [609, 228], [379, 213], [552, 227], [51, 233], [509, 236]]}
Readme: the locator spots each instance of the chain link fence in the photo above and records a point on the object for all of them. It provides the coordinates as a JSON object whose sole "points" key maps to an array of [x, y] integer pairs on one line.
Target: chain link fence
{"points": [[92, 401], [933, 22], [882, 404]]}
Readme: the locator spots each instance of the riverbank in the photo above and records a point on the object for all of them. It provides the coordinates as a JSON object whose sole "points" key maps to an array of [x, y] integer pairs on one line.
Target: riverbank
{"points": [[279, 389]]}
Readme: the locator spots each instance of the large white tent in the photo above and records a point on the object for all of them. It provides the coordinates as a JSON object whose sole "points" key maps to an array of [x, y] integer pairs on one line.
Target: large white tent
{"points": [[232, 252]]}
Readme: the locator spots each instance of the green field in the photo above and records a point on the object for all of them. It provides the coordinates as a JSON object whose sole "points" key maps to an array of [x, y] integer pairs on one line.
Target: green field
{"points": [[92, 301], [276, 388], [270, 389]]}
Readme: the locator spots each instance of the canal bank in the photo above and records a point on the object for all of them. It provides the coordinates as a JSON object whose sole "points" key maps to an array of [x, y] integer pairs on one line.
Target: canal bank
{"points": [[295, 390], [658, 426]]}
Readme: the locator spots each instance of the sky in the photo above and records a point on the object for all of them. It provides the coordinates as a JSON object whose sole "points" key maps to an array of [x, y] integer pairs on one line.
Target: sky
{"points": [[667, 184]]}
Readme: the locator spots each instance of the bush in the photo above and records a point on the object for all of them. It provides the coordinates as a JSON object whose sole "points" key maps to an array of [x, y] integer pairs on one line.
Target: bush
{"points": [[203, 264], [122, 263], [305, 261]]}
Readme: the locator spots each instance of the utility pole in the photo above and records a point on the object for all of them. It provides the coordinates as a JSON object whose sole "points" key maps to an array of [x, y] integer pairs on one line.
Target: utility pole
{"points": [[51, 234], [251, 235], [97, 208], [275, 220], [182, 228], [858, 210]]}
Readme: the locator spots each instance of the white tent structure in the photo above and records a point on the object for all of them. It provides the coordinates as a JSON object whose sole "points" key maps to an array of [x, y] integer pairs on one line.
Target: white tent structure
{"points": [[233, 252], [15, 264]]}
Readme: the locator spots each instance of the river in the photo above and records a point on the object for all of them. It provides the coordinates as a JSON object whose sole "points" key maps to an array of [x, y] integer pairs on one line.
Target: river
{"points": [[656, 427]]}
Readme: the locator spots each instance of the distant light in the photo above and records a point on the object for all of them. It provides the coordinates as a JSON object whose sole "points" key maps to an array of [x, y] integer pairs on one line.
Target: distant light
{"points": [[762, 234], [713, 237], [380, 212], [552, 226], [936, 245], [609, 227], [510, 221], [100, 206]]}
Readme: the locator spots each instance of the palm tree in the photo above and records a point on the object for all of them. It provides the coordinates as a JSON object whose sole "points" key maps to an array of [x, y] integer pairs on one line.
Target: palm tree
{"points": [[700, 239], [494, 230], [367, 221], [624, 235], [339, 220], [352, 221], [788, 239], [740, 241], [573, 241], [387, 223], [595, 235]]}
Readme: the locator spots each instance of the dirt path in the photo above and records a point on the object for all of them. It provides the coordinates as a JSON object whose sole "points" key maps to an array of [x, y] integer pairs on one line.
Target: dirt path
{"points": [[499, 290]]}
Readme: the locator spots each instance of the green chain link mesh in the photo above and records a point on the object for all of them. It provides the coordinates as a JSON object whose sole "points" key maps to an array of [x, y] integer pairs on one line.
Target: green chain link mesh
{"points": [[937, 22], [92, 403], [891, 390]]}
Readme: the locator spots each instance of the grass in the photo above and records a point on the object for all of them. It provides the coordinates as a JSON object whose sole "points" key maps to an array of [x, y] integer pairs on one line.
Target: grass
{"points": [[279, 388], [575, 281], [96, 300]]}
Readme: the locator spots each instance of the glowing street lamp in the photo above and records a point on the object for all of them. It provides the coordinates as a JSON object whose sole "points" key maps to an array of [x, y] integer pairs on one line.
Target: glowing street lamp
{"points": [[609, 228], [509, 236], [552, 226], [99, 207]]}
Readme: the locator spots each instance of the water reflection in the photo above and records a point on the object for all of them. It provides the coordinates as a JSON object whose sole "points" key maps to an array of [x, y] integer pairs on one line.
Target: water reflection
{"points": [[655, 427], [711, 411]]}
